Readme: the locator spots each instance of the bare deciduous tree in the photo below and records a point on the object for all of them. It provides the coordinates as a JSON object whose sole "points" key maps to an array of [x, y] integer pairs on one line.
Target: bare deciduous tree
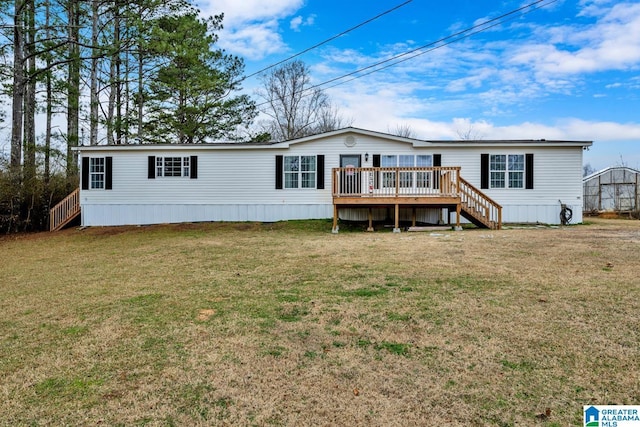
{"points": [[295, 107], [331, 119], [404, 130], [588, 169], [470, 134]]}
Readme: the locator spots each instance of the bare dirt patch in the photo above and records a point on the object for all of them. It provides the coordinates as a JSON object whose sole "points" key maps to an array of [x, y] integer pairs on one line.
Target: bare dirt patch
{"points": [[206, 314]]}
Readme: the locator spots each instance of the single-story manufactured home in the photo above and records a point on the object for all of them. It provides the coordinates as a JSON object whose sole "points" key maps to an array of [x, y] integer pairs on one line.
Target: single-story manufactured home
{"points": [[348, 174]]}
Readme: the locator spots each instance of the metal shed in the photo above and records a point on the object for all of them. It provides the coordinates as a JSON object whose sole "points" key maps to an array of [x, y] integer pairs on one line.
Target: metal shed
{"points": [[612, 189]]}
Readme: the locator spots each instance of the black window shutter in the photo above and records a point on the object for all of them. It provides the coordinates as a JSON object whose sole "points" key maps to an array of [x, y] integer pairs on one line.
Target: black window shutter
{"points": [[108, 169], [85, 173], [320, 171], [528, 168], [437, 160], [279, 172], [152, 167], [376, 177], [194, 167], [484, 171]]}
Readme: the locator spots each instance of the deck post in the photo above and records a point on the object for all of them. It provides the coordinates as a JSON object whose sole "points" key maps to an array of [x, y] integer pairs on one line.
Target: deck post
{"points": [[458, 209], [335, 228], [396, 228], [413, 216], [370, 228]]}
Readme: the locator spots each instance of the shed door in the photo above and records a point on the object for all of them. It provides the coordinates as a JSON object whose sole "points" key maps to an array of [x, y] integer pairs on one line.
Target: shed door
{"points": [[350, 176]]}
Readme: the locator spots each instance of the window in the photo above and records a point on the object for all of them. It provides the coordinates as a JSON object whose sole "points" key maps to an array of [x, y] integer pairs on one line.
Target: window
{"points": [[96, 173], [300, 171], [423, 179], [388, 178], [389, 161], [506, 170], [173, 166], [407, 179]]}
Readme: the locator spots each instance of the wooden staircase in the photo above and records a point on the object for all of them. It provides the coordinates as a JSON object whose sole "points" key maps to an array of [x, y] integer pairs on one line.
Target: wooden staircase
{"points": [[479, 208], [65, 211]]}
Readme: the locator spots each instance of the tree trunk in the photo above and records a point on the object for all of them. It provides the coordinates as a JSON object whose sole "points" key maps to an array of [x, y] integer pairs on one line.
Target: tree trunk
{"points": [[112, 114], [17, 113], [125, 122], [117, 22], [49, 100], [73, 89], [29, 173], [94, 100], [140, 84]]}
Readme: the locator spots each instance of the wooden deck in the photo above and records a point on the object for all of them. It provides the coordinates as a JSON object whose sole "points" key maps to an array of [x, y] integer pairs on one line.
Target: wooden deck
{"points": [[412, 187]]}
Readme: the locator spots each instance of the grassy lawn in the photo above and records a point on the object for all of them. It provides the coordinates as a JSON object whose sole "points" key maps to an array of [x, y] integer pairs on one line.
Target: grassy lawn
{"points": [[287, 324]]}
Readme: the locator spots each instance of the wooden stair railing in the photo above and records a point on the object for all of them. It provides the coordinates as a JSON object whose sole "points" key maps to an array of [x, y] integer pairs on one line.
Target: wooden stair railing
{"points": [[479, 208], [65, 211]]}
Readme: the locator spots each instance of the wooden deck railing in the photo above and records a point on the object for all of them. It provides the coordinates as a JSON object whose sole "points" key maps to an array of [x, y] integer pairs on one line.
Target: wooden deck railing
{"points": [[396, 182], [480, 206], [65, 211], [428, 185]]}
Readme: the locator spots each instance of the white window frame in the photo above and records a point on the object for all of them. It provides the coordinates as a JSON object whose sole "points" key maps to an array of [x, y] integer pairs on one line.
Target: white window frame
{"points": [[423, 179], [407, 179], [97, 173], [173, 166], [300, 172], [388, 177], [507, 171]]}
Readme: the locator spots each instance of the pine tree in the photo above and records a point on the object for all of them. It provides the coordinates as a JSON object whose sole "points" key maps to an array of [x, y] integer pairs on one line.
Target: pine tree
{"points": [[189, 97]]}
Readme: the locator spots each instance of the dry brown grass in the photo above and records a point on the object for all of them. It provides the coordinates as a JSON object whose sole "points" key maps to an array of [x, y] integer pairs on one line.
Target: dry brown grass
{"points": [[287, 324]]}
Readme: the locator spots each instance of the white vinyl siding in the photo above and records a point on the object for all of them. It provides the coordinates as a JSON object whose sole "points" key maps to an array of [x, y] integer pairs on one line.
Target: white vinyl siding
{"points": [[239, 183]]}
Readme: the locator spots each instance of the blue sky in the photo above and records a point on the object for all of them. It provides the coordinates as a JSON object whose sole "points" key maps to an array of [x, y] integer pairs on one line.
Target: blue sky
{"points": [[568, 70]]}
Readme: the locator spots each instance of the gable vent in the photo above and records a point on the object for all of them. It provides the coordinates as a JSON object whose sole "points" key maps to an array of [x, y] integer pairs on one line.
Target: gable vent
{"points": [[350, 141]]}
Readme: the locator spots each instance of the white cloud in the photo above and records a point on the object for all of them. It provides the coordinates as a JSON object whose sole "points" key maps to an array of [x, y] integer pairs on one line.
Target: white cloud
{"points": [[475, 80], [385, 108], [299, 21], [248, 11], [295, 23], [612, 43], [254, 41], [563, 129], [494, 81], [498, 78], [594, 7], [251, 27]]}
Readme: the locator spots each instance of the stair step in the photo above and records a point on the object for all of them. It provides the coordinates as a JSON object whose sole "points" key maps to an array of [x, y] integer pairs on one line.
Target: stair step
{"points": [[65, 211]]}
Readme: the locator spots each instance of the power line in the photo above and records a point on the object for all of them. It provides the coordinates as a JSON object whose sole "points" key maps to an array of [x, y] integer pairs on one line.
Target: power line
{"points": [[460, 35], [437, 44], [329, 39]]}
